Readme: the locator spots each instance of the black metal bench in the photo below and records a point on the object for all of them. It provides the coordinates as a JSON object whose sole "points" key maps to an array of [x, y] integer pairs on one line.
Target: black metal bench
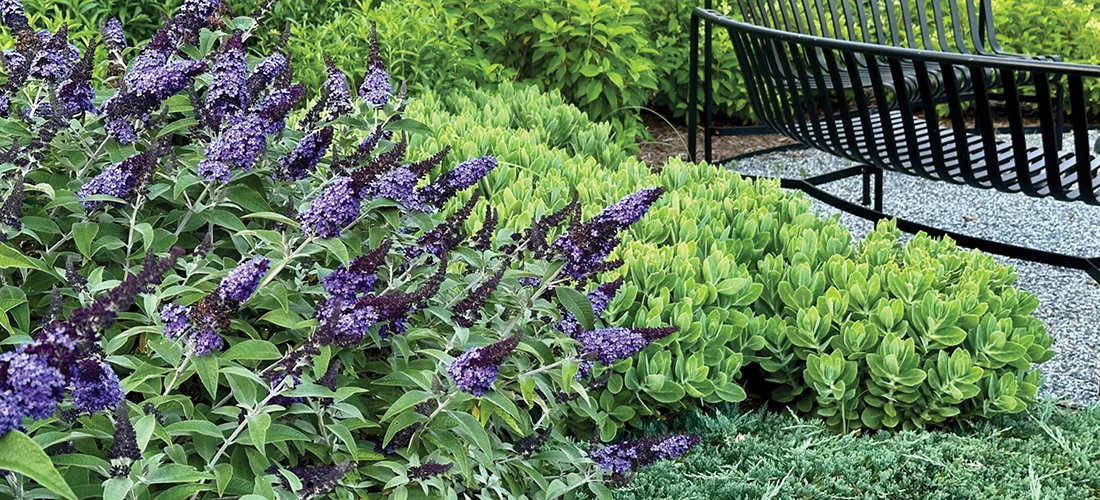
{"points": [[832, 95], [957, 26]]}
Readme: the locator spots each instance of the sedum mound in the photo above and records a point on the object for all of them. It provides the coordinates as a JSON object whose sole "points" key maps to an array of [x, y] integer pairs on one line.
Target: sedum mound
{"points": [[877, 334]]}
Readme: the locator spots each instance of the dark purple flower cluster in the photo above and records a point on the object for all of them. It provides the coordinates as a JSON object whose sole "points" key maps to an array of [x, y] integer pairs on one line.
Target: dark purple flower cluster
{"points": [[622, 458], [300, 162], [121, 180], [265, 72], [336, 207], [29, 387], [246, 140], [358, 277], [124, 449], [150, 81], [86, 322], [34, 376], [586, 246], [398, 185], [361, 179], [448, 234], [468, 310], [194, 15], [600, 298], [532, 443], [475, 370], [12, 210], [76, 93], [199, 324], [95, 386], [483, 240], [393, 310], [350, 323], [227, 96], [376, 88], [13, 15], [176, 320], [113, 35], [428, 470], [55, 56], [464, 175], [337, 91], [617, 343], [243, 280], [320, 479]]}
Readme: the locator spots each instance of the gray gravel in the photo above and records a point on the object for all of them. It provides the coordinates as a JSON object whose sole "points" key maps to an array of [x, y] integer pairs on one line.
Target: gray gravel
{"points": [[1069, 300]]}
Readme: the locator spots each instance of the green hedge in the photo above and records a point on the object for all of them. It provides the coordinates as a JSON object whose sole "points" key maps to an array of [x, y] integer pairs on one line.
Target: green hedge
{"points": [[1049, 452], [919, 332]]}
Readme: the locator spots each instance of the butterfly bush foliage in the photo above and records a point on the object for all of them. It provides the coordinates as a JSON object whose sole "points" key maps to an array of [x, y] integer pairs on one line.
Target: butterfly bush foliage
{"points": [[217, 282]]}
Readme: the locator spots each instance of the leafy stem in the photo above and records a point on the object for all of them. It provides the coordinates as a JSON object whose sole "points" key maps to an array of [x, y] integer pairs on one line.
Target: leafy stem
{"points": [[179, 372]]}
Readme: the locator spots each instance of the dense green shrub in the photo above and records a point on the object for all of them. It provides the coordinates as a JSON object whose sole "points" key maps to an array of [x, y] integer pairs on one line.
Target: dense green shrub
{"points": [[1048, 452], [752, 277], [198, 300]]}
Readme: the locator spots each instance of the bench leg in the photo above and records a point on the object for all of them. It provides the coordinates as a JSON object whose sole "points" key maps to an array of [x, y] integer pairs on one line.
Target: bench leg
{"points": [[870, 172]]}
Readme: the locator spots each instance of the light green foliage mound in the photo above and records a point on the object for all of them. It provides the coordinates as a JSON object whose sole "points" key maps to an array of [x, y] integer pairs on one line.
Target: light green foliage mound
{"points": [[1048, 452], [875, 334]]}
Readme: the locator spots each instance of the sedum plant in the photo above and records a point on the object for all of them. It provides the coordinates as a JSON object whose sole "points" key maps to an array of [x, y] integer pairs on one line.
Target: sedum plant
{"points": [[217, 282], [756, 283]]}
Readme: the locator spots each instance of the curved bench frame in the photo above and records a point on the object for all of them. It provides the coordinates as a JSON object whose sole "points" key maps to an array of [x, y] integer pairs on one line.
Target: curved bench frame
{"points": [[795, 86]]}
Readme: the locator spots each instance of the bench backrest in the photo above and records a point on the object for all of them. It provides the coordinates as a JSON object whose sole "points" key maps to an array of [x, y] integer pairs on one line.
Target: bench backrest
{"points": [[959, 26], [811, 100]]}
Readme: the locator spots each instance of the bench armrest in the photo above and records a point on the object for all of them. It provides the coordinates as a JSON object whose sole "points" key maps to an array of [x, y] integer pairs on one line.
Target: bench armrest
{"points": [[1051, 58]]}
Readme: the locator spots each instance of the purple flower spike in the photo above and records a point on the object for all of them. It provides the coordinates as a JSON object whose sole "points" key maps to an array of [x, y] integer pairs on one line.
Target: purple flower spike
{"points": [[195, 14], [176, 320], [336, 207], [398, 185], [15, 17], [95, 386], [586, 246], [121, 130], [113, 35], [227, 95], [53, 61], [358, 277], [319, 480], [464, 175], [337, 90], [376, 88], [278, 104], [475, 370], [113, 181], [121, 180], [243, 280], [265, 72], [622, 458], [29, 387], [616, 343], [205, 341], [428, 470], [304, 158]]}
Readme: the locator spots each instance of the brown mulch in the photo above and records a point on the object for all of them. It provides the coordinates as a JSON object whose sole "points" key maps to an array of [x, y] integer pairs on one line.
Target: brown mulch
{"points": [[669, 141]]}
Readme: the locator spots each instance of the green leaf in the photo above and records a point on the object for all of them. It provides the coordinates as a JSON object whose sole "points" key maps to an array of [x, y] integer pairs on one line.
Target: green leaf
{"points": [[19, 453], [406, 401], [272, 216], [83, 234], [474, 431], [207, 369], [345, 436], [257, 430], [176, 473], [116, 488], [222, 474], [409, 125], [253, 349], [10, 257], [577, 304]]}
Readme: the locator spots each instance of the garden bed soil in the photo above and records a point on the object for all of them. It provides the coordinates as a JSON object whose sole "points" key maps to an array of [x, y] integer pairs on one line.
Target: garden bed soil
{"points": [[670, 141]]}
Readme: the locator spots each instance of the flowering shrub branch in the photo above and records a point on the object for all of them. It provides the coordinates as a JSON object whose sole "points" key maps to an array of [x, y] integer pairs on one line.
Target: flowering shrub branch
{"points": [[334, 326]]}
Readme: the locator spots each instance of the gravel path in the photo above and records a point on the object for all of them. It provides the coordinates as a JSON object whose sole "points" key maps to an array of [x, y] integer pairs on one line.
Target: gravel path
{"points": [[1069, 299]]}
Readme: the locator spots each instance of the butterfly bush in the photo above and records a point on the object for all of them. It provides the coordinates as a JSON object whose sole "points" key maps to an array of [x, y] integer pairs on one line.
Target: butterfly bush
{"points": [[221, 283]]}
